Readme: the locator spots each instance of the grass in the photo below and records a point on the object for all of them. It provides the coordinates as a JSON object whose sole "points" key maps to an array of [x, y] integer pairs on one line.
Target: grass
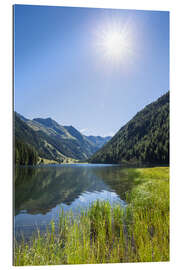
{"points": [[66, 160], [108, 234]]}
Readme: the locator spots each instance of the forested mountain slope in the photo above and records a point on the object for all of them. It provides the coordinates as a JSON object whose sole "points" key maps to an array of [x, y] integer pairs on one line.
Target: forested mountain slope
{"points": [[145, 138]]}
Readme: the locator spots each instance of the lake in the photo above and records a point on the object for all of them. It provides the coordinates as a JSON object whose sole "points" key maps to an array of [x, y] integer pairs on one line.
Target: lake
{"points": [[42, 191]]}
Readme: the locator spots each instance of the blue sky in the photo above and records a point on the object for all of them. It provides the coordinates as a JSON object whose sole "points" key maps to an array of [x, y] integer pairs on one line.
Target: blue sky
{"points": [[64, 70]]}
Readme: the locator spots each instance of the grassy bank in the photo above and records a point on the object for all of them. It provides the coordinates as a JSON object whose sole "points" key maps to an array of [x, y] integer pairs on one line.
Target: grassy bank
{"points": [[46, 161], [107, 234]]}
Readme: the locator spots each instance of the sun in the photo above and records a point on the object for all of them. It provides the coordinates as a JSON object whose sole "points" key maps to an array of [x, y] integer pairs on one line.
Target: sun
{"points": [[114, 41], [114, 44]]}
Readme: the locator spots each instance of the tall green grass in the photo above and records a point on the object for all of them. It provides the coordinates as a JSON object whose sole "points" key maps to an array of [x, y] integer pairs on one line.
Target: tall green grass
{"points": [[108, 234]]}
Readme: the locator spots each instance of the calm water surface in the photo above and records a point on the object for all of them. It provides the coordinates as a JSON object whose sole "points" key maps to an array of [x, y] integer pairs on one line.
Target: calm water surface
{"points": [[40, 192]]}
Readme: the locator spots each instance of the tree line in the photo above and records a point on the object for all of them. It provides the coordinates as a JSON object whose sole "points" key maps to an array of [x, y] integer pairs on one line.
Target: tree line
{"points": [[25, 154]]}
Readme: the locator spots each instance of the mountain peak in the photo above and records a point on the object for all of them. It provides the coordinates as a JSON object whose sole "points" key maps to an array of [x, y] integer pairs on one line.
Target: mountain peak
{"points": [[48, 122]]}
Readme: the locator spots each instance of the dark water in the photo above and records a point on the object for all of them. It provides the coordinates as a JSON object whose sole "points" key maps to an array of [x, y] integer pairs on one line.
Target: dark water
{"points": [[40, 192]]}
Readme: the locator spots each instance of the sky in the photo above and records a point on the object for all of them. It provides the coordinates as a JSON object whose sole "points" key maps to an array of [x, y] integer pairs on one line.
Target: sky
{"points": [[90, 68]]}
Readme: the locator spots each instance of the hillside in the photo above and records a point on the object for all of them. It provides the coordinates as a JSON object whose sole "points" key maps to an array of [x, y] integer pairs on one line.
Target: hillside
{"points": [[53, 141], [145, 138]]}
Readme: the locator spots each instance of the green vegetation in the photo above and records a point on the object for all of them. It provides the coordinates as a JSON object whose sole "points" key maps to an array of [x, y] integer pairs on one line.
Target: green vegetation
{"points": [[55, 142], [145, 138], [25, 154], [27, 136], [105, 233]]}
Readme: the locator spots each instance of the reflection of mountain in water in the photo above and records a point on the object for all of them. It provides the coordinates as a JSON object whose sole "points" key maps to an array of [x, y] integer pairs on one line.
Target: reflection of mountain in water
{"points": [[38, 190], [119, 179]]}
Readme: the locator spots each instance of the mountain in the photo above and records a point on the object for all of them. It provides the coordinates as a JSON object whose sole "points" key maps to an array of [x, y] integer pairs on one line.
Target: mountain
{"points": [[145, 138], [98, 141], [75, 144], [39, 141], [26, 143], [52, 140], [49, 126], [22, 117]]}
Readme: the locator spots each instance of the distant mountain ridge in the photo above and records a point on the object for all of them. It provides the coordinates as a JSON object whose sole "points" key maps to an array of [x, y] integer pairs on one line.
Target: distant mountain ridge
{"points": [[145, 138], [98, 140], [54, 141]]}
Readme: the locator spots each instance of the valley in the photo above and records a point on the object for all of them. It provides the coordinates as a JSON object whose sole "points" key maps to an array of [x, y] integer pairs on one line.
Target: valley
{"points": [[144, 139], [102, 190]]}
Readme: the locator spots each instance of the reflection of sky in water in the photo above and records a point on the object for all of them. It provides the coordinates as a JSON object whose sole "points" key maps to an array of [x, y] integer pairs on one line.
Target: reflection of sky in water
{"points": [[82, 202], [27, 222]]}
